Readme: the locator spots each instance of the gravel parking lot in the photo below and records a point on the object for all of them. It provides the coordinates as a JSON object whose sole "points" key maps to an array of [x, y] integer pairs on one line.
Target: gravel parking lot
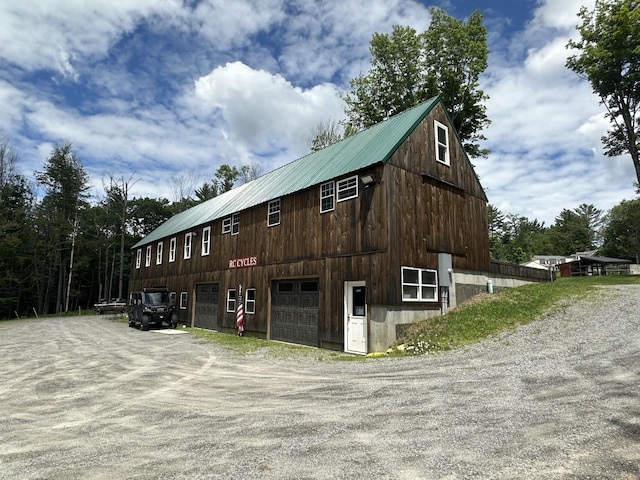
{"points": [[87, 397]]}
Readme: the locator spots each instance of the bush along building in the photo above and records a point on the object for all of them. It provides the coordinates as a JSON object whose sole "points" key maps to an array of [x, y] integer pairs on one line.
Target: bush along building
{"points": [[338, 249]]}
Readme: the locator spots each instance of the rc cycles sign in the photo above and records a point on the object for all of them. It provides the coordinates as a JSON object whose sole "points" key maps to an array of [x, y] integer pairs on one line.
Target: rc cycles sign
{"points": [[243, 262]]}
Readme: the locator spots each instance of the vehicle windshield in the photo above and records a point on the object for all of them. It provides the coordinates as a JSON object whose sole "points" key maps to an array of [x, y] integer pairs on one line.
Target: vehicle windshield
{"points": [[156, 298]]}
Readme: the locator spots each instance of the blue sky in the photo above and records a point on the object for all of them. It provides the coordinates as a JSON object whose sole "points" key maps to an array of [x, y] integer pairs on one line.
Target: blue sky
{"points": [[164, 92]]}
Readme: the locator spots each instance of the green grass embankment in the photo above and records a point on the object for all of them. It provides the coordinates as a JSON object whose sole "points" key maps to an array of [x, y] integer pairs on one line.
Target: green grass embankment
{"points": [[489, 314]]}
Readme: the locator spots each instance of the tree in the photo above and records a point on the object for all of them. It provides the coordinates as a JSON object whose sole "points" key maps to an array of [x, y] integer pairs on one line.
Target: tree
{"points": [[496, 233], [146, 214], [621, 231], [248, 173], [591, 217], [225, 179], [609, 59], [117, 198], [575, 230], [66, 183], [16, 235], [8, 161], [325, 134], [408, 68], [182, 187]]}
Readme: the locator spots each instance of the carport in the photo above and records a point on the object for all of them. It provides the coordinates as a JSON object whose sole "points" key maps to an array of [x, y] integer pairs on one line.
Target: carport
{"points": [[585, 266]]}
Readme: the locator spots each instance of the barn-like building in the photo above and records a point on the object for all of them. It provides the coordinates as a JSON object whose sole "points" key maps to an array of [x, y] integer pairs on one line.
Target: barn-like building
{"points": [[338, 249]]}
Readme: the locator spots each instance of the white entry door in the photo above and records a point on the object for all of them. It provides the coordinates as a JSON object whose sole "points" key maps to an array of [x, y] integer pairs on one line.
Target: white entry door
{"points": [[355, 317]]}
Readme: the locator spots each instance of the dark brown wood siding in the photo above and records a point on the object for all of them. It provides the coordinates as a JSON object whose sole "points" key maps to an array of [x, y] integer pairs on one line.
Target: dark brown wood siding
{"points": [[434, 208]]}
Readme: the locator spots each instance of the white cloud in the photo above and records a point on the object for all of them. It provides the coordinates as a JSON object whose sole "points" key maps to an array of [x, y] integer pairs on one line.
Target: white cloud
{"points": [[39, 34], [545, 136], [265, 111]]}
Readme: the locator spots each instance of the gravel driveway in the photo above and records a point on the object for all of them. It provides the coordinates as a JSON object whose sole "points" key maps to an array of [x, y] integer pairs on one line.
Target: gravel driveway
{"points": [[87, 397]]}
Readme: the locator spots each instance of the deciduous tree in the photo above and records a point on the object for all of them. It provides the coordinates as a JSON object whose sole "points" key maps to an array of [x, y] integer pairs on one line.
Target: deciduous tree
{"points": [[621, 231], [408, 67], [609, 58]]}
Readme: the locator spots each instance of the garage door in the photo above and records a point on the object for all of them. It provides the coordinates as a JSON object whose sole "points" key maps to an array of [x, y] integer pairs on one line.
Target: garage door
{"points": [[207, 299], [294, 311]]}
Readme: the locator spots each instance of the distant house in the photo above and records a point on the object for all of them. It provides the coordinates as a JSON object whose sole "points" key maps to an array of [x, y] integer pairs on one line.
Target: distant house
{"points": [[338, 249], [546, 262]]}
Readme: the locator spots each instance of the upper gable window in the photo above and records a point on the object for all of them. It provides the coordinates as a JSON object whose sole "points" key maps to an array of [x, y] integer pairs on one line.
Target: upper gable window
{"points": [[442, 142], [347, 188], [159, 253], [273, 213], [187, 246], [327, 197], [138, 257], [147, 256], [172, 249], [206, 241]]}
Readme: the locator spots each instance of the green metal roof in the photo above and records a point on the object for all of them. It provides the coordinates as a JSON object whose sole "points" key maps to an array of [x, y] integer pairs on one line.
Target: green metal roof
{"points": [[374, 145]]}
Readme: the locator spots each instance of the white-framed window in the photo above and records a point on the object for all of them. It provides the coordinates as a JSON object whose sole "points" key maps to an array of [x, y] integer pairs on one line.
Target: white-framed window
{"points": [[172, 249], [235, 223], [159, 248], [419, 285], [187, 245], [347, 188], [273, 213], [231, 300], [250, 301], [147, 256], [138, 257], [442, 142], [206, 241], [226, 225], [327, 197], [183, 300]]}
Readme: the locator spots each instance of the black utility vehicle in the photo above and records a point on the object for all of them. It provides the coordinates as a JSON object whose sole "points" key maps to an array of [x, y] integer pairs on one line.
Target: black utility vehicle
{"points": [[152, 306]]}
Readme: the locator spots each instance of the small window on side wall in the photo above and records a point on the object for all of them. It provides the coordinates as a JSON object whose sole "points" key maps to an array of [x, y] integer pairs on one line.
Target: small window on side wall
{"points": [[187, 246], [159, 253], [327, 197], [347, 188], [442, 142], [206, 241], [226, 225], [235, 223], [231, 300], [138, 257], [419, 285], [172, 249], [147, 256], [183, 300], [250, 301], [273, 213]]}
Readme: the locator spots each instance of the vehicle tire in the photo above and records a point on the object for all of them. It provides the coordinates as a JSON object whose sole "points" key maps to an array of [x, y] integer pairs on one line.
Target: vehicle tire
{"points": [[132, 323], [174, 324], [145, 323]]}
